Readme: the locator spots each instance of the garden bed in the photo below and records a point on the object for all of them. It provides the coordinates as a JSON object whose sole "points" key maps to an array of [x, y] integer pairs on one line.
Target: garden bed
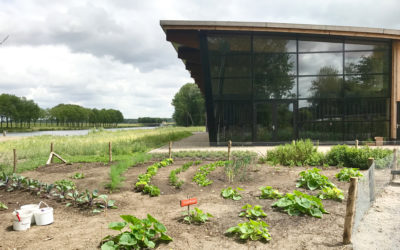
{"points": [[77, 229]]}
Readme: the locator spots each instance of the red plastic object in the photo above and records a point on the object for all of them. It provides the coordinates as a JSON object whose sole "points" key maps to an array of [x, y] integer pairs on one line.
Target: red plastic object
{"points": [[188, 202], [19, 218]]}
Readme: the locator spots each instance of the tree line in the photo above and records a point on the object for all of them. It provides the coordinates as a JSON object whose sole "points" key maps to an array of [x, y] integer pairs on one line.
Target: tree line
{"points": [[16, 111]]}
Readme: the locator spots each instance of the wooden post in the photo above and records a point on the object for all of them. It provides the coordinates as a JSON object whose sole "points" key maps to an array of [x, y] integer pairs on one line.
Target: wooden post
{"points": [[170, 150], [356, 144], [109, 152], [51, 147], [394, 163], [371, 176], [350, 208], [15, 160], [229, 149]]}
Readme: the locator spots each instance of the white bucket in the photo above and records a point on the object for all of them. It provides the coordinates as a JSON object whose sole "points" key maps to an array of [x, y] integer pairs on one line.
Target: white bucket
{"points": [[23, 222], [32, 208], [44, 216]]}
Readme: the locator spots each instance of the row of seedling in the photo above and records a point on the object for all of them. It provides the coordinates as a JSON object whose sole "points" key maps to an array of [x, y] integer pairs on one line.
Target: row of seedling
{"points": [[143, 184], [201, 175], [173, 179], [62, 190]]}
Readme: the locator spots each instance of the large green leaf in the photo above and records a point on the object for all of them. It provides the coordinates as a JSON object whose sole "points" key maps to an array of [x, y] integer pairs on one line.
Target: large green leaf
{"points": [[109, 245], [127, 239], [130, 219], [116, 225]]}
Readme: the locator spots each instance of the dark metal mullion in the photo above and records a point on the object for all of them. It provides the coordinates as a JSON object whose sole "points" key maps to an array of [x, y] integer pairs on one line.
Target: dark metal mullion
{"points": [[342, 90], [296, 113], [253, 105]]}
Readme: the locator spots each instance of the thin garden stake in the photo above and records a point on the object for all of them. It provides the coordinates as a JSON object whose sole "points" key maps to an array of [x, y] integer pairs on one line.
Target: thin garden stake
{"points": [[371, 177], [109, 152], [350, 208], [170, 150], [15, 160], [51, 151], [229, 149], [356, 144]]}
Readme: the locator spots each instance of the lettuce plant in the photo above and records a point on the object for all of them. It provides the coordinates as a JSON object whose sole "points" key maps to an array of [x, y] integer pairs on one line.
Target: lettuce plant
{"points": [[346, 173], [333, 193]]}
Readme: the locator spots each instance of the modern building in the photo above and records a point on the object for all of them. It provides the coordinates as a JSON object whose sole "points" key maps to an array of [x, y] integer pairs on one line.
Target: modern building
{"points": [[275, 82]]}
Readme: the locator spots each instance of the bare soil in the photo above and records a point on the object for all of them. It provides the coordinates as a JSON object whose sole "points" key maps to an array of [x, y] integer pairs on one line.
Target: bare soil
{"points": [[76, 229]]}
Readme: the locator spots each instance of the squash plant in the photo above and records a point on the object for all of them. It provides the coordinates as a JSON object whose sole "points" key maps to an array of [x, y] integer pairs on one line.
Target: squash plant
{"points": [[230, 193], [145, 233], [297, 203], [333, 193], [252, 212], [312, 179], [3, 206], [254, 230], [346, 173], [268, 192], [78, 176], [197, 216]]}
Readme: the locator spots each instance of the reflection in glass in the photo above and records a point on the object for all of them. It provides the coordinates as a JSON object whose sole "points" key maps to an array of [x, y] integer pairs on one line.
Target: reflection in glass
{"points": [[329, 86], [366, 86], [274, 121], [234, 88], [320, 45], [365, 130], [365, 45], [366, 62], [313, 110], [366, 109], [273, 44], [234, 121], [224, 43], [311, 64], [324, 131], [230, 65]]}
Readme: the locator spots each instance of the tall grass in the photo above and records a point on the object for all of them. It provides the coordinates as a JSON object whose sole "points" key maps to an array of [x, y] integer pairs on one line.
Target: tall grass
{"points": [[34, 151]]}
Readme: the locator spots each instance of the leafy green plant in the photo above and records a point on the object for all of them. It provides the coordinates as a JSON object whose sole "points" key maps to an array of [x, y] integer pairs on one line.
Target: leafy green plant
{"points": [[252, 212], [297, 203], [346, 173], [78, 176], [230, 193], [254, 230], [197, 216], [151, 190], [312, 179], [173, 179], [201, 175], [333, 193], [299, 153], [268, 192], [238, 168], [142, 234], [3, 206], [63, 187]]}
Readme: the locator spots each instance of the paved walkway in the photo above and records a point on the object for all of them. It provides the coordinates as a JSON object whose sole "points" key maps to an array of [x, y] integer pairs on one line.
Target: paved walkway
{"points": [[199, 142]]}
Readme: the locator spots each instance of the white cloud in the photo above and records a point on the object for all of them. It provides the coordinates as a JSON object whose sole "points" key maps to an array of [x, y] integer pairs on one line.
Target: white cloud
{"points": [[113, 53]]}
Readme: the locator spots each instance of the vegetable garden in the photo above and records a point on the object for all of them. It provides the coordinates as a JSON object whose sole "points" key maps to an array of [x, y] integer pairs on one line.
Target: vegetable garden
{"points": [[241, 204]]}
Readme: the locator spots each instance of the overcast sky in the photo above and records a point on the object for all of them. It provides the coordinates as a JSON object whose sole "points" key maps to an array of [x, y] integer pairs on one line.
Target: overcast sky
{"points": [[113, 54]]}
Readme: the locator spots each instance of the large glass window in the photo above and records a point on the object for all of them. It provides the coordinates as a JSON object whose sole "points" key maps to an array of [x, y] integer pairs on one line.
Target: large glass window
{"points": [[280, 87]]}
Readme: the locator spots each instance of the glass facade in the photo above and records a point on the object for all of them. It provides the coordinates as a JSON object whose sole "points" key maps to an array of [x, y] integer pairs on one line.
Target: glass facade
{"points": [[275, 88]]}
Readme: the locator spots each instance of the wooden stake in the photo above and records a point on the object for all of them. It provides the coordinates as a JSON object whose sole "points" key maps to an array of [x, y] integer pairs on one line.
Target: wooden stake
{"points": [[350, 208], [51, 147], [356, 144], [371, 176], [394, 163], [229, 149], [109, 152], [170, 150], [15, 160]]}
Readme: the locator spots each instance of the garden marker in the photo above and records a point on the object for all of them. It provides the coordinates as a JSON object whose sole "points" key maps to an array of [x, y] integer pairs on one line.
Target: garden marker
{"points": [[188, 202]]}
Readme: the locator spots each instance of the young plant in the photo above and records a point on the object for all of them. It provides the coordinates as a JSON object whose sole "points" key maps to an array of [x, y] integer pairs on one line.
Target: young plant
{"points": [[331, 193], [78, 176], [63, 187], [254, 230], [312, 180], [107, 203], [197, 216], [142, 234], [252, 212], [297, 203], [230, 193], [17, 182], [3, 206], [89, 197], [268, 192], [201, 175], [151, 190], [173, 179], [346, 173]]}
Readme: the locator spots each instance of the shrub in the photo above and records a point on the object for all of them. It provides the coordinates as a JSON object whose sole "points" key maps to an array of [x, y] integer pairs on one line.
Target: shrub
{"points": [[312, 180], [343, 155], [346, 173], [297, 203], [296, 154], [269, 193]]}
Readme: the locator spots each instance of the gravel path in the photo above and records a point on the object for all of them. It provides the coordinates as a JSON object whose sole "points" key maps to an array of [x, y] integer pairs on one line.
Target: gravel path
{"points": [[380, 228]]}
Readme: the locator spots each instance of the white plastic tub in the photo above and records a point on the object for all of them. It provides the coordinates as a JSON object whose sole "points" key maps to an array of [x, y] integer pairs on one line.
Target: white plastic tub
{"points": [[44, 216], [31, 208], [21, 220]]}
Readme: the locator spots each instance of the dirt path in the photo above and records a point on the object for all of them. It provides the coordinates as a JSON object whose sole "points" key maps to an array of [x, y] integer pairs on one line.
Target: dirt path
{"points": [[380, 228]]}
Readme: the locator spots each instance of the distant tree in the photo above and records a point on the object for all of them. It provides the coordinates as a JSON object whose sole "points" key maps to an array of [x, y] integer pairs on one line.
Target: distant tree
{"points": [[189, 106]]}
